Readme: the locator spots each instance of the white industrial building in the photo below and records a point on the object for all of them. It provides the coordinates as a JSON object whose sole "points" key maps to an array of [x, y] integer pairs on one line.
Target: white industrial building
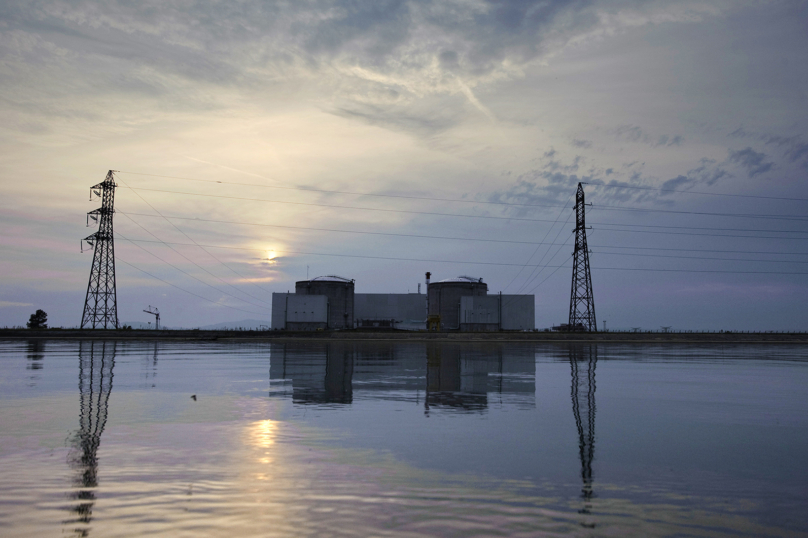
{"points": [[463, 304]]}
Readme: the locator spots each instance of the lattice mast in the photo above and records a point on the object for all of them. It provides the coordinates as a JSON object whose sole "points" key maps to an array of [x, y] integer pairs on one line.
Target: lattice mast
{"points": [[582, 303], [100, 303]]}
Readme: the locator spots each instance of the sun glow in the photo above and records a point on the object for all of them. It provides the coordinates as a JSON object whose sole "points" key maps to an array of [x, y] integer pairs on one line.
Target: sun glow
{"points": [[271, 255]]}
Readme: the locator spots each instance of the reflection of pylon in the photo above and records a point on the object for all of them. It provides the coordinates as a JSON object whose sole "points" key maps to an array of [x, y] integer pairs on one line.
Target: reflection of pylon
{"points": [[96, 362], [100, 303], [582, 303]]}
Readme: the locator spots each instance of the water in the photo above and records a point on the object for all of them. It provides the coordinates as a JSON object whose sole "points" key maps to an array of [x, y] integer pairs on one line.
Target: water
{"points": [[402, 439]]}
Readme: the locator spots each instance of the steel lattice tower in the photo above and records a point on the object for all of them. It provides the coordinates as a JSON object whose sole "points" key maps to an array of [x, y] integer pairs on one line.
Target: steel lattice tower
{"points": [[582, 303], [101, 304]]}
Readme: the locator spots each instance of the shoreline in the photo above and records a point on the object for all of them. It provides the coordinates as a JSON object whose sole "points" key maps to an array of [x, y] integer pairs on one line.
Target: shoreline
{"points": [[407, 336]]}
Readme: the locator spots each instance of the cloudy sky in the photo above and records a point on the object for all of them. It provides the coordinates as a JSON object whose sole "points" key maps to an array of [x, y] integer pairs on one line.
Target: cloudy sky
{"points": [[378, 140]]}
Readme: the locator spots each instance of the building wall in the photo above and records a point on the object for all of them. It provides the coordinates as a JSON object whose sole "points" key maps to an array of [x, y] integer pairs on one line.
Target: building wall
{"points": [[340, 300], [279, 310], [408, 309], [444, 300], [299, 312], [518, 312], [306, 312]]}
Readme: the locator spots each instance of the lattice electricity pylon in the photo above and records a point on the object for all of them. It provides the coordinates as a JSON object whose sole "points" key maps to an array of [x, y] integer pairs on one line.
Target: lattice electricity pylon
{"points": [[582, 303], [101, 303]]}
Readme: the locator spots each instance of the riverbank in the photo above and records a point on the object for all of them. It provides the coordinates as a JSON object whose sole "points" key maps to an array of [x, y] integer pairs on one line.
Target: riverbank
{"points": [[394, 335]]}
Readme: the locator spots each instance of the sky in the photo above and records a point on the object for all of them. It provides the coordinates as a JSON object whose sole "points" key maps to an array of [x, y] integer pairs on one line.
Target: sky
{"points": [[258, 142]]}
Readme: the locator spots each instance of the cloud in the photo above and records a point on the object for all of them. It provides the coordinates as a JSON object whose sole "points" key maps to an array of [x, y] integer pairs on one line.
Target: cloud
{"points": [[583, 144], [633, 133], [792, 147], [708, 173], [754, 162], [174, 54], [555, 179], [4, 304]]}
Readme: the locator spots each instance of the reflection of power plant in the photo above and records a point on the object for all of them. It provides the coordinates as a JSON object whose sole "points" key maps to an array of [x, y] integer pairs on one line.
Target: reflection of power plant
{"points": [[455, 377], [96, 361], [582, 363], [320, 373], [453, 380]]}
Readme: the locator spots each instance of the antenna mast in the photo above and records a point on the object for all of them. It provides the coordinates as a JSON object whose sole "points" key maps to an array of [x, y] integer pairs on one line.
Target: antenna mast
{"points": [[582, 303], [101, 303]]}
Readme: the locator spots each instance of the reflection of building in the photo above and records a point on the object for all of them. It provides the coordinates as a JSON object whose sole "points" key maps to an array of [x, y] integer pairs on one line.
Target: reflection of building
{"points": [[583, 360], [319, 373], [96, 361], [460, 377]]}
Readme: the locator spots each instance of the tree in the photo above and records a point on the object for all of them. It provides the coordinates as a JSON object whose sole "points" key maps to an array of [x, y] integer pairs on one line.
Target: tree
{"points": [[38, 320]]}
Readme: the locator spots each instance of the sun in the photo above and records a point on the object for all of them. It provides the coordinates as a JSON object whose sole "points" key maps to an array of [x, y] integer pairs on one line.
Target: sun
{"points": [[271, 255]]}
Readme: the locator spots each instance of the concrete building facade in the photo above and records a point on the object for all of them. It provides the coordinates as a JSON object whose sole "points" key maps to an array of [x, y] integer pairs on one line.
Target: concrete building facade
{"points": [[340, 294], [445, 295], [406, 310], [463, 304]]}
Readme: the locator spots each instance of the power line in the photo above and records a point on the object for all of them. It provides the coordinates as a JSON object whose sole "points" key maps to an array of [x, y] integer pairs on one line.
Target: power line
{"points": [[339, 255], [339, 231], [417, 236], [336, 206], [324, 191], [697, 257], [706, 234], [636, 187], [799, 218], [460, 200], [539, 246], [533, 274], [186, 291], [193, 241], [709, 250], [187, 273], [698, 271], [701, 228]]}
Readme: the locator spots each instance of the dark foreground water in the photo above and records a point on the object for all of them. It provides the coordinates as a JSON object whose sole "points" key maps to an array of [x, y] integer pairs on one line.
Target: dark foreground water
{"points": [[402, 439]]}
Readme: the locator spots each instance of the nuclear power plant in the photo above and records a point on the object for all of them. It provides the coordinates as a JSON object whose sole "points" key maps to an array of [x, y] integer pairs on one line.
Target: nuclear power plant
{"points": [[453, 304]]}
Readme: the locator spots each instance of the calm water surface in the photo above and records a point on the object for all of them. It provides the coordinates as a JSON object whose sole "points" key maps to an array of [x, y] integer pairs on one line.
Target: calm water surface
{"points": [[402, 439]]}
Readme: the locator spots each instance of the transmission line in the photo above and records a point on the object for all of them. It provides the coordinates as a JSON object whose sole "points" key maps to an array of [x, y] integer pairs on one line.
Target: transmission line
{"points": [[637, 187], [336, 206], [187, 273], [432, 213], [193, 241], [324, 191], [284, 226], [539, 246], [341, 255], [186, 291]]}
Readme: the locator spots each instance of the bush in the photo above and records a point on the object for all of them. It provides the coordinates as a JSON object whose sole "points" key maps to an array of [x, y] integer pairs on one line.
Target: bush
{"points": [[38, 320]]}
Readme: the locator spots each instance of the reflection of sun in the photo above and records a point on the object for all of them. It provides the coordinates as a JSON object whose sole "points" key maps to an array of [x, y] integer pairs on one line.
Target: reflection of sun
{"points": [[262, 433]]}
